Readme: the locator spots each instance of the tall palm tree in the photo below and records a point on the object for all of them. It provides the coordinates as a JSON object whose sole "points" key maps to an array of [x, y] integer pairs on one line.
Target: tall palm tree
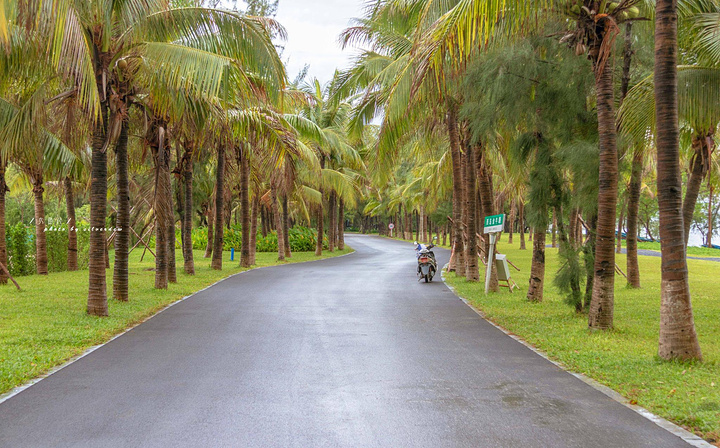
{"points": [[458, 29], [90, 39], [678, 339]]}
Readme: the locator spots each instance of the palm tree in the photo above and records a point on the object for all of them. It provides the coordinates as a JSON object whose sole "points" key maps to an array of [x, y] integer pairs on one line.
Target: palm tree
{"points": [[37, 152], [678, 339], [462, 27], [90, 39]]}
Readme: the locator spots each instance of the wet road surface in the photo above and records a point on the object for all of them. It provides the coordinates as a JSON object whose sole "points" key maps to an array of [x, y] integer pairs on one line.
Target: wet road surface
{"points": [[344, 352]]}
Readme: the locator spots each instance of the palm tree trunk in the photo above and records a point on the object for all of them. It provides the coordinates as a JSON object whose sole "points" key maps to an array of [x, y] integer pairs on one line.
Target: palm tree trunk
{"points": [[170, 229], [286, 226], [537, 270], [341, 225], [678, 339], [253, 228], [472, 272], [511, 222], [97, 289], [162, 210], [277, 214], [320, 218], [319, 242], [72, 262], [97, 293], [408, 226], [603, 297], [122, 237], [554, 230], [521, 213], [332, 215], [245, 207], [187, 224], [41, 260], [633, 269], [458, 250], [700, 166], [210, 227], [263, 221], [227, 205], [219, 208], [3, 242]]}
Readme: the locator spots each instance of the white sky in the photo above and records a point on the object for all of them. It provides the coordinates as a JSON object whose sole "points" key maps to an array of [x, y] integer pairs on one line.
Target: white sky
{"points": [[313, 27]]}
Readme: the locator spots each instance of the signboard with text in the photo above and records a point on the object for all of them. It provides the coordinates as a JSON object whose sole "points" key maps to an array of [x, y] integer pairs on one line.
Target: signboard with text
{"points": [[494, 223]]}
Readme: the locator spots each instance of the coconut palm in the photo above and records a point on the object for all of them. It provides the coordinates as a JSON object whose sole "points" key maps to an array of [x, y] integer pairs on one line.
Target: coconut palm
{"points": [[678, 339], [452, 33], [101, 44]]}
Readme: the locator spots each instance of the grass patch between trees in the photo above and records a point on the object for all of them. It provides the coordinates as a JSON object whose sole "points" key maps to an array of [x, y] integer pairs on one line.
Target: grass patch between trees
{"points": [[624, 359], [45, 324]]}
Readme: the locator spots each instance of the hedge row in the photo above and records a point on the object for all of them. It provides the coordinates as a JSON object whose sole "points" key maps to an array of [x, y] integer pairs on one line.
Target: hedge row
{"points": [[302, 239], [20, 241]]}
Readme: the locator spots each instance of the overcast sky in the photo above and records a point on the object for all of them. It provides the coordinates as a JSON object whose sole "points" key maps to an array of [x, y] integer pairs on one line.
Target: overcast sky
{"points": [[313, 27]]}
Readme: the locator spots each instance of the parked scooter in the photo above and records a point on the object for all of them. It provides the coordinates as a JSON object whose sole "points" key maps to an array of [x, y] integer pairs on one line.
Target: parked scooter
{"points": [[427, 265]]}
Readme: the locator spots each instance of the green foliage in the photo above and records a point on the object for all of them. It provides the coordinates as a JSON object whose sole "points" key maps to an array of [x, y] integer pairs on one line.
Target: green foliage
{"points": [[57, 245], [262, 8], [57, 249], [570, 276], [20, 250], [302, 239]]}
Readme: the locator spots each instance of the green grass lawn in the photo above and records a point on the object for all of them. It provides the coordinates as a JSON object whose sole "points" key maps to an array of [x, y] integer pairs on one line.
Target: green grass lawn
{"points": [[45, 324], [692, 251], [624, 359]]}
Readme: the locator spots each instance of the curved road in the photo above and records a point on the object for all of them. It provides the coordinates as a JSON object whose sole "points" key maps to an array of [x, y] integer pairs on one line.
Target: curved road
{"points": [[345, 352]]}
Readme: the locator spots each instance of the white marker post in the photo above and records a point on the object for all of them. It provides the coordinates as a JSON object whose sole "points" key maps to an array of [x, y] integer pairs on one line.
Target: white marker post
{"points": [[493, 225]]}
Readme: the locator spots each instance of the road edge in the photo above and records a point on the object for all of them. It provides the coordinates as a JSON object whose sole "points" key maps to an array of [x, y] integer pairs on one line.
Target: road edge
{"points": [[682, 433], [15, 391]]}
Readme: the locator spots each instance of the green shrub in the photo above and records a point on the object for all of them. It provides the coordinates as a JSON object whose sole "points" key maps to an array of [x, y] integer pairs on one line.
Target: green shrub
{"points": [[83, 243], [232, 238], [57, 245], [57, 248], [199, 238], [20, 245], [302, 239]]}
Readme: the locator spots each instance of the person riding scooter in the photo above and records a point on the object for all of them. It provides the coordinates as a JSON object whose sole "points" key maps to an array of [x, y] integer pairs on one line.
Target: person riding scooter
{"points": [[427, 266]]}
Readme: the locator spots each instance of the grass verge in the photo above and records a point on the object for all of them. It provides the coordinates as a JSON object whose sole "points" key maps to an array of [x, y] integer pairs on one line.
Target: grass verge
{"points": [[45, 324], [624, 359]]}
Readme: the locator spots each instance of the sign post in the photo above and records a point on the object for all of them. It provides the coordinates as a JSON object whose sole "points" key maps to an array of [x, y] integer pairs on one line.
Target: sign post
{"points": [[493, 225], [391, 226]]}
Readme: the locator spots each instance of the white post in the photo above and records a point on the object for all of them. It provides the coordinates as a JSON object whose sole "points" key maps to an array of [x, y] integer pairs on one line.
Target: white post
{"points": [[488, 272]]}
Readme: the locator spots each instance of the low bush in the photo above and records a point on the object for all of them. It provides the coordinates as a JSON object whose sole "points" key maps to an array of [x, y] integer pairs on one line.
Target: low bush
{"points": [[302, 239], [20, 250]]}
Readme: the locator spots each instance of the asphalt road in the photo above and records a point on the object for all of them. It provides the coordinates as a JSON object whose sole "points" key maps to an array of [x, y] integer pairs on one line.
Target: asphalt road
{"points": [[345, 352]]}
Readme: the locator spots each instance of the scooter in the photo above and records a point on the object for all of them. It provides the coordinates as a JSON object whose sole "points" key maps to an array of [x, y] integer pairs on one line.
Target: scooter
{"points": [[427, 265]]}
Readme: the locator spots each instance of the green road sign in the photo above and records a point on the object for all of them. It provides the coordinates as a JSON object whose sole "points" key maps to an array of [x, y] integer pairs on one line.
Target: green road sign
{"points": [[494, 223]]}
